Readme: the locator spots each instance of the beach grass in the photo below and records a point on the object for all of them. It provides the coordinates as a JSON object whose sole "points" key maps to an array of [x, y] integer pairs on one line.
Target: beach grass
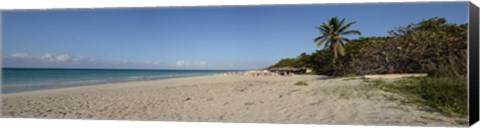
{"points": [[349, 77], [301, 83], [447, 95]]}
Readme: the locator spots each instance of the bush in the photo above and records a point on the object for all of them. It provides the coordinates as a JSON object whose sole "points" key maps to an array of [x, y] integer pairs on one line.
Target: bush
{"points": [[301, 83], [431, 46]]}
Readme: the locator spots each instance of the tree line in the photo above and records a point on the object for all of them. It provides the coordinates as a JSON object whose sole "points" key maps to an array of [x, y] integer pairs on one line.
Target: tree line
{"points": [[431, 46]]}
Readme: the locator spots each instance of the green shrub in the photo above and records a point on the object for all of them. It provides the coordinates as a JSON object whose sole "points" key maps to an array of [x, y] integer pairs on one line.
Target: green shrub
{"points": [[301, 83]]}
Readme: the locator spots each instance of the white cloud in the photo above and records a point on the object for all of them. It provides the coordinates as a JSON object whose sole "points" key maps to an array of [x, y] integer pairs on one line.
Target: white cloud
{"points": [[92, 59], [48, 57], [19, 55], [83, 59], [77, 58], [62, 58], [203, 63], [55, 58], [181, 63], [185, 63], [152, 62], [70, 60]]}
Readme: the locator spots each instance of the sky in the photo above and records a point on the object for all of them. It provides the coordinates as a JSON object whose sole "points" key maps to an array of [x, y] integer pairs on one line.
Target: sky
{"points": [[219, 37]]}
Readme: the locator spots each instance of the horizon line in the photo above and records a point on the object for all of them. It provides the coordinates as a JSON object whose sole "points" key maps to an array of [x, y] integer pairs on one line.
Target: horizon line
{"points": [[114, 68]]}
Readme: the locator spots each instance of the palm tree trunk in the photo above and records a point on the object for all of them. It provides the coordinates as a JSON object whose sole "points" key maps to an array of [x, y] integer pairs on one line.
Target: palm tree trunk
{"points": [[334, 59]]}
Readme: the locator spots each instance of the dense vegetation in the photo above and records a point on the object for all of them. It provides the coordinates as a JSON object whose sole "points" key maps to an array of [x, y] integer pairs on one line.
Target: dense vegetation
{"points": [[431, 46]]}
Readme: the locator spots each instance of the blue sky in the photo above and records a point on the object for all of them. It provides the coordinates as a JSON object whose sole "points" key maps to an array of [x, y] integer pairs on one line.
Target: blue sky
{"points": [[229, 37]]}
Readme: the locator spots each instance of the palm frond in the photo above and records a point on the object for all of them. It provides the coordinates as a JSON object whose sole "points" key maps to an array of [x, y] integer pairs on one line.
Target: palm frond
{"points": [[355, 32], [343, 28], [325, 27], [322, 29], [322, 41], [334, 23], [342, 44], [331, 28], [318, 38], [345, 39], [341, 22]]}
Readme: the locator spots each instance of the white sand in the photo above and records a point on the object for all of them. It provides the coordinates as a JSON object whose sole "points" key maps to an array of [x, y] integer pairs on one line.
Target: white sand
{"points": [[267, 99]]}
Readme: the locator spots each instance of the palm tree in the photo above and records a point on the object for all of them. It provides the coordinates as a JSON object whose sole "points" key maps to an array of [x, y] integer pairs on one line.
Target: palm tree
{"points": [[332, 36]]}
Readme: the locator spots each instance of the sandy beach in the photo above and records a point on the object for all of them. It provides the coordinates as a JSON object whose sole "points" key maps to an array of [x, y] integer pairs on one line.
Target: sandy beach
{"points": [[219, 98]]}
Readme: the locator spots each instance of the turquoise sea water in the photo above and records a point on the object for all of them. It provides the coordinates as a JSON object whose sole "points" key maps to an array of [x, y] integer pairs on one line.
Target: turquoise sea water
{"points": [[29, 79]]}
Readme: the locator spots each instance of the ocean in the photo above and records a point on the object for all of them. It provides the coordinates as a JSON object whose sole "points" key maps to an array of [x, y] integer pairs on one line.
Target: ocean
{"points": [[30, 79]]}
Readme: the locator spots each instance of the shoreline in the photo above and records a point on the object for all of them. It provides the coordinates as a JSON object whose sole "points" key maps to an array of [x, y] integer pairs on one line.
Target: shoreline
{"points": [[219, 98], [103, 84], [107, 83]]}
